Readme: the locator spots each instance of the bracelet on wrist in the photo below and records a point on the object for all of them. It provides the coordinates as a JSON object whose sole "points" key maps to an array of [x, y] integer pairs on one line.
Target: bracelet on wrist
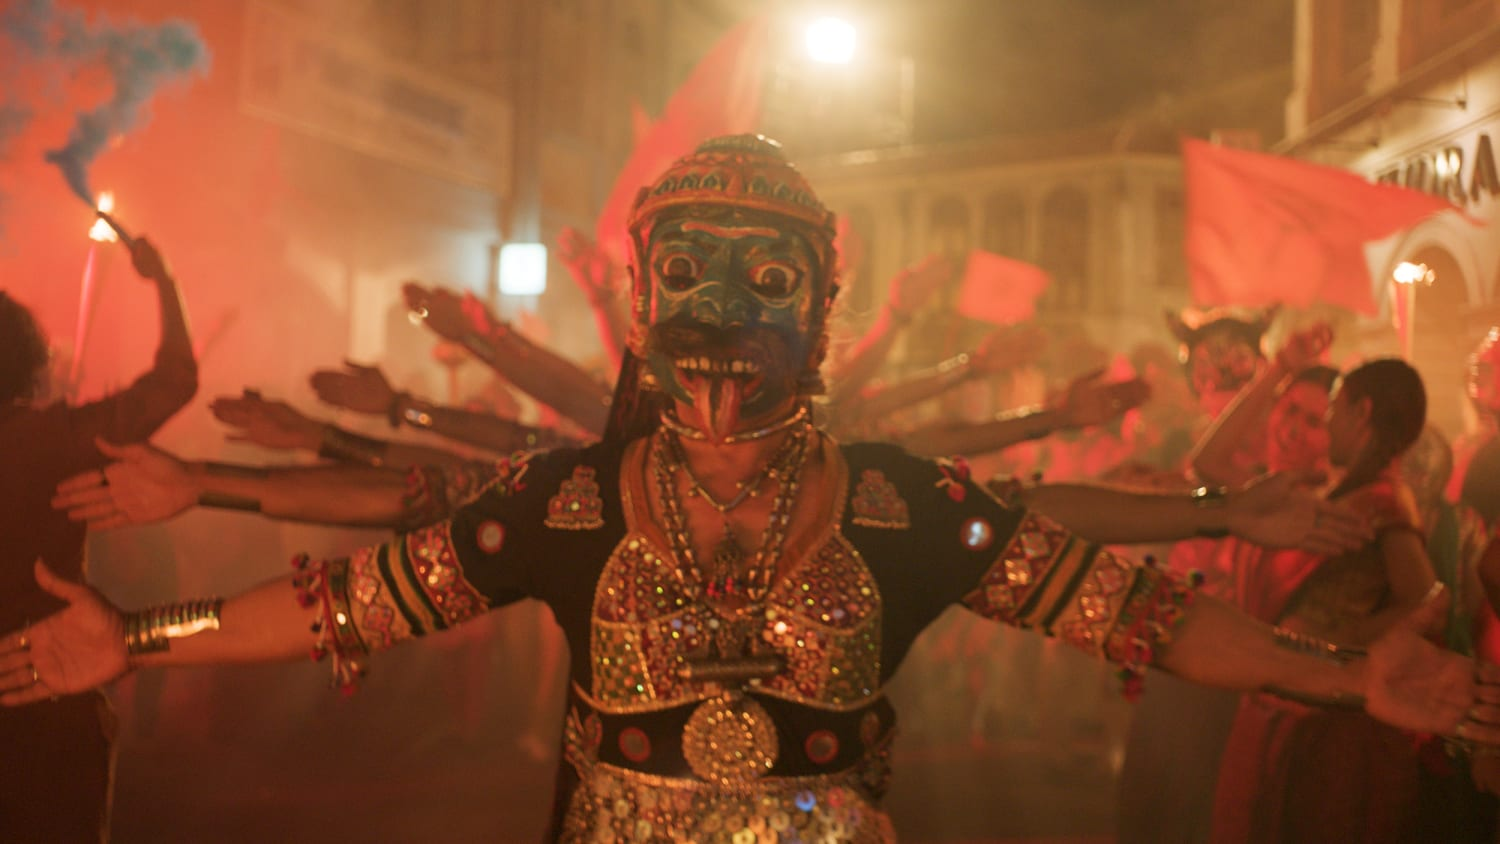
{"points": [[1211, 498], [417, 416], [393, 410], [1314, 646], [152, 630]]}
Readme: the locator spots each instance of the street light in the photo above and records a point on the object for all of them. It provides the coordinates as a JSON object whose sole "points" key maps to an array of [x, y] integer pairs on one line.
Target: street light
{"points": [[523, 269], [830, 41], [1407, 276]]}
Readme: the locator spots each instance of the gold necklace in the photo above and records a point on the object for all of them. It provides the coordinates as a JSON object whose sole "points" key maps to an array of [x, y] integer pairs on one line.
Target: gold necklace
{"points": [[670, 421], [785, 468]]}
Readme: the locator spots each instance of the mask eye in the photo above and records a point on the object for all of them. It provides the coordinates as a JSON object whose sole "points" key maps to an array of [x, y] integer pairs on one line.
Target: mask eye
{"points": [[775, 278], [679, 271]]}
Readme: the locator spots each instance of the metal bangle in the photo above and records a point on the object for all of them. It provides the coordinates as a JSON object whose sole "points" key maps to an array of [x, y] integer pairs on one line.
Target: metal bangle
{"points": [[152, 630], [1313, 646]]}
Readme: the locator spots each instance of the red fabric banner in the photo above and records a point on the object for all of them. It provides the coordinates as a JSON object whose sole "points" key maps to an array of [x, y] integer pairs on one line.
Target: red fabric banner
{"points": [[1000, 290], [1265, 229], [722, 96]]}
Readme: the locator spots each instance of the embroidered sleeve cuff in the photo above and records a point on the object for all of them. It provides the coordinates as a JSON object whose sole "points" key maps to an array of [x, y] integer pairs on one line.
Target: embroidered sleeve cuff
{"points": [[1098, 601]]}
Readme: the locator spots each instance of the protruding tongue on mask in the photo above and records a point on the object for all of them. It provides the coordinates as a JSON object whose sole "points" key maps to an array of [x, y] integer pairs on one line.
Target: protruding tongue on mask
{"points": [[717, 399]]}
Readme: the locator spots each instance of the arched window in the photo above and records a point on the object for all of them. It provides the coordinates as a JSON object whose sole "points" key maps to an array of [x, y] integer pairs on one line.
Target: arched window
{"points": [[948, 229], [1004, 229]]}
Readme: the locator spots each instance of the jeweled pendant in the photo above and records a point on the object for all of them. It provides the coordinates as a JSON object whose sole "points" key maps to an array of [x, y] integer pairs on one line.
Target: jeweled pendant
{"points": [[728, 556]]}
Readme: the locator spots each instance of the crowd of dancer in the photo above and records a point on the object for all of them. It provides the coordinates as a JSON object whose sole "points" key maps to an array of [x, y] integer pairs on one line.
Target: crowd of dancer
{"points": [[740, 553]]}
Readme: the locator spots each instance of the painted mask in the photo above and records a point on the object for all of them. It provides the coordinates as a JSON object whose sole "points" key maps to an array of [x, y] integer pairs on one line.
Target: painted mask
{"points": [[732, 278], [1221, 353]]}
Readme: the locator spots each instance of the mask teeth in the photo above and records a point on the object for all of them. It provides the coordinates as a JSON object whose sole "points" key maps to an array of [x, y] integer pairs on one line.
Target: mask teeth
{"points": [[711, 366]]}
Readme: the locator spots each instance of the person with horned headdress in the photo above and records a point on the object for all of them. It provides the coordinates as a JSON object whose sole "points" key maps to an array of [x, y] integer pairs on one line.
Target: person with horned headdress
{"points": [[737, 588]]}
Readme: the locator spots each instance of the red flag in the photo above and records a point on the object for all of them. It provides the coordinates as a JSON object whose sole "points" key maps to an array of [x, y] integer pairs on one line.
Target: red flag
{"points": [[999, 289], [720, 97], [1265, 229]]}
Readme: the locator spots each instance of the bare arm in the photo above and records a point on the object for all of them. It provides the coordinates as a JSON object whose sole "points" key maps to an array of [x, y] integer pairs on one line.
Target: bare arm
{"points": [[909, 290], [1214, 457], [485, 430], [1276, 511], [276, 424], [136, 412], [149, 485], [554, 380], [1087, 401]]}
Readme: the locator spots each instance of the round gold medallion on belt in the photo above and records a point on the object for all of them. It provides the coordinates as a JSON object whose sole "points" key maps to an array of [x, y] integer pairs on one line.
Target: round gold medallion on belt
{"points": [[730, 739]]}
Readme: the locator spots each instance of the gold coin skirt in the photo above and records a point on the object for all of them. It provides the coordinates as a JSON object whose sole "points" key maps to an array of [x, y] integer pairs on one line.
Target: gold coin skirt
{"points": [[614, 804]]}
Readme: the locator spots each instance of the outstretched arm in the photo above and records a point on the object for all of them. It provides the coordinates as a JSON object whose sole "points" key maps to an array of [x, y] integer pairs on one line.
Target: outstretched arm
{"points": [[85, 645], [1002, 350], [276, 424], [1086, 402], [1279, 511], [150, 485], [910, 289], [364, 389], [554, 380], [1405, 680]]}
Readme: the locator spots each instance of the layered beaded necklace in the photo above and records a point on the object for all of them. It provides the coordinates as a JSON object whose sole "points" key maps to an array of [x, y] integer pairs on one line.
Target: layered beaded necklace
{"points": [[784, 468]]}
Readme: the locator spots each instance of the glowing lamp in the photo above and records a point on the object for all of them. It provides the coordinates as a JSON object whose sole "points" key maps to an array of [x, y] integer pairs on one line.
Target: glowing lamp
{"points": [[830, 41], [523, 269], [1408, 273]]}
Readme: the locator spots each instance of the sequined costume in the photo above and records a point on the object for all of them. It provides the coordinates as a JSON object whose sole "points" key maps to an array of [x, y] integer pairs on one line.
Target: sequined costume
{"points": [[654, 756]]}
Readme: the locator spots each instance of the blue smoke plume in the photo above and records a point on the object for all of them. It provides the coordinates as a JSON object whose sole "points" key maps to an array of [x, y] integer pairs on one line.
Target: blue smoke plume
{"points": [[140, 58]]}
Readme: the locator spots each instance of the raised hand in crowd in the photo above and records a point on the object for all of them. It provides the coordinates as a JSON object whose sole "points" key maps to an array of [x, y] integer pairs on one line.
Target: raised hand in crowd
{"points": [[601, 281], [914, 286], [910, 289], [356, 387], [551, 378], [1304, 348], [148, 261], [1090, 400], [267, 423]]}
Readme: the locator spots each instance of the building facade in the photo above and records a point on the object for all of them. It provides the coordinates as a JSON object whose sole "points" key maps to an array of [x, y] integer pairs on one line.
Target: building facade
{"points": [[1408, 92]]}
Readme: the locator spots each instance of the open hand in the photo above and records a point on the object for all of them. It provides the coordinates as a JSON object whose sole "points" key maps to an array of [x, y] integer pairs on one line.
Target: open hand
{"points": [[913, 286], [1090, 400], [1304, 348], [362, 389], [74, 650], [588, 263], [146, 485], [1283, 510], [273, 424], [1415, 685]]}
